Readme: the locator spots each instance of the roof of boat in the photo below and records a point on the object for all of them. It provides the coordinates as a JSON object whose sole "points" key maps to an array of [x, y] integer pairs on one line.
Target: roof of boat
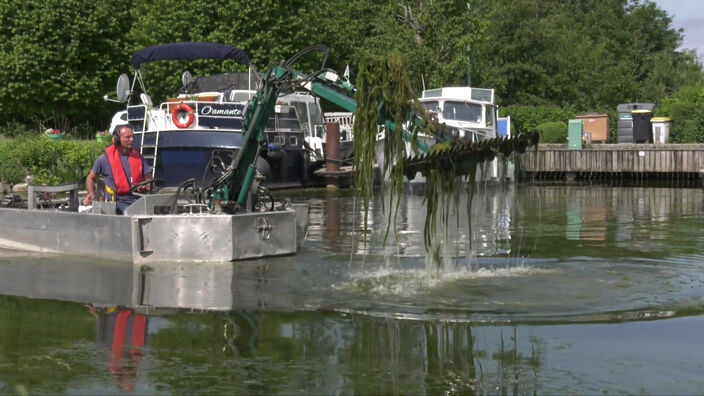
{"points": [[485, 95], [188, 51]]}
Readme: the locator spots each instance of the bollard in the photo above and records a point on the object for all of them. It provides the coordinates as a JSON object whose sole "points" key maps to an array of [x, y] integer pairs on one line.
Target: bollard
{"points": [[332, 154], [332, 147]]}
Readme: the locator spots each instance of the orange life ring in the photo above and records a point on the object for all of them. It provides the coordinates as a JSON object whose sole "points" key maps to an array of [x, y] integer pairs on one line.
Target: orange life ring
{"points": [[188, 110]]}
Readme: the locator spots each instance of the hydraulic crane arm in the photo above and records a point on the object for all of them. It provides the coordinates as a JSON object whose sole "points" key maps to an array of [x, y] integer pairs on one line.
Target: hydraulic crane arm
{"points": [[235, 183]]}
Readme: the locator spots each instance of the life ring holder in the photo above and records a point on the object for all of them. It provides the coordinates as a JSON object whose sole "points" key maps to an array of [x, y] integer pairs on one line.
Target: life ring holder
{"points": [[188, 110]]}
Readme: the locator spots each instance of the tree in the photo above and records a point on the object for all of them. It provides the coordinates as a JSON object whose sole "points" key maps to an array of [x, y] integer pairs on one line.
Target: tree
{"points": [[588, 54], [57, 59], [685, 107], [436, 36], [267, 31]]}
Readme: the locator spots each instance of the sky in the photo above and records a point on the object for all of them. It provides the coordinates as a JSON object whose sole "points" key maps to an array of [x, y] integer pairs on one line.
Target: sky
{"points": [[689, 15]]}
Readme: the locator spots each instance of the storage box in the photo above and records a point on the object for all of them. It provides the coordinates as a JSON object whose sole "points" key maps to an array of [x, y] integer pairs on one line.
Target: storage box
{"points": [[574, 134], [596, 126]]}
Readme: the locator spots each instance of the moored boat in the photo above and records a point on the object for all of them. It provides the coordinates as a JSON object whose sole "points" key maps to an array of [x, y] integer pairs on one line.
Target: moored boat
{"points": [[471, 114], [200, 128]]}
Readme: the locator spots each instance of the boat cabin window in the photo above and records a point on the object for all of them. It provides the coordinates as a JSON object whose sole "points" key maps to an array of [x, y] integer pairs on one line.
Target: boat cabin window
{"points": [[490, 116], [462, 111], [238, 96], [347, 133], [292, 140], [302, 114], [315, 114], [431, 106], [284, 121], [278, 139], [176, 164]]}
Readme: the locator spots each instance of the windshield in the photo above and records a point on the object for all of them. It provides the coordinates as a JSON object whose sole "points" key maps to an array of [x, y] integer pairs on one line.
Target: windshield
{"points": [[284, 121], [219, 83], [462, 111], [490, 115], [431, 106]]}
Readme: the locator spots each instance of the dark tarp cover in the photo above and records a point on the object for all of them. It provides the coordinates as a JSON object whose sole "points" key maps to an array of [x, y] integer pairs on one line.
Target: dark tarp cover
{"points": [[188, 51]]}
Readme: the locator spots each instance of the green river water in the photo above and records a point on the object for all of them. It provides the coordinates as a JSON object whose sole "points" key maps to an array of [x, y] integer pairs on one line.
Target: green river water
{"points": [[580, 289]]}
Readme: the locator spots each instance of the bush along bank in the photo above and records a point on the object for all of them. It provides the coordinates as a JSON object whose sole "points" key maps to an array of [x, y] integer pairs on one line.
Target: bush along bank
{"points": [[553, 132], [47, 161]]}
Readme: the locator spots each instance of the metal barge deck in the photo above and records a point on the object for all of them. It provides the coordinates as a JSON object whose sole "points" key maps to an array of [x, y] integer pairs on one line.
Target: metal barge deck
{"points": [[143, 236]]}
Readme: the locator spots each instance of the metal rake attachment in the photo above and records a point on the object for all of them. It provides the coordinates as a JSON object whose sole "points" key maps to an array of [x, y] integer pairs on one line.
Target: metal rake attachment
{"points": [[463, 158]]}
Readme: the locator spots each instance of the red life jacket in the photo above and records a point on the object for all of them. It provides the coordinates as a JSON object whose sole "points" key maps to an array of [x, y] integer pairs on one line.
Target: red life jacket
{"points": [[135, 161]]}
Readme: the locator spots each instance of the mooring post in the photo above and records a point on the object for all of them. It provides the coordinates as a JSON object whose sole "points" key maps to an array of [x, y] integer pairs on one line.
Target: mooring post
{"points": [[332, 154]]}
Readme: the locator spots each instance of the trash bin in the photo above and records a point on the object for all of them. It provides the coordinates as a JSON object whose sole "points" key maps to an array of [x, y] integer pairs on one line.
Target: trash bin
{"points": [[661, 129], [642, 131], [624, 130], [574, 135], [596, 126]]}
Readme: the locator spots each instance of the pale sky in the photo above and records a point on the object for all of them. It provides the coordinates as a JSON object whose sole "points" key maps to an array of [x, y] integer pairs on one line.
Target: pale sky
{"points": [[689, 15]]}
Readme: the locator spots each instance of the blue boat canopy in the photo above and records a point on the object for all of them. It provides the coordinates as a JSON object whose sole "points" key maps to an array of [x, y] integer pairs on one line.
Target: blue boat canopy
{"points": [[188, 51]]}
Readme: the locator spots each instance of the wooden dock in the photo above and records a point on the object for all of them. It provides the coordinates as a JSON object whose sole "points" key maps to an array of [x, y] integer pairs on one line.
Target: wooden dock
{"points": [[614, 161]]}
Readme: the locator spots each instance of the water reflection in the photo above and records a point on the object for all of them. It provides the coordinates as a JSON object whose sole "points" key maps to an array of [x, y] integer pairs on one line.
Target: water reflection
{"points": [[287, 352], [123, 331], [518, 220], [245, 352], [637, 219], [147, 319], [162, 286], [557, 268]]}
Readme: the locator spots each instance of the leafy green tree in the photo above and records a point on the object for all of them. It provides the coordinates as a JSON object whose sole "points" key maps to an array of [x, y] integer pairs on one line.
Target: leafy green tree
{"points": [[586, 54], [685, 107], [433, 35], [267, 31], [58, 58], [670, 72], [527, 118], [345, 26]]}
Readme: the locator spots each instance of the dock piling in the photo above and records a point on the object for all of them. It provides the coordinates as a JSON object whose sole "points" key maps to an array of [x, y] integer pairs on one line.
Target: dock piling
{"points": [[332, 154]]}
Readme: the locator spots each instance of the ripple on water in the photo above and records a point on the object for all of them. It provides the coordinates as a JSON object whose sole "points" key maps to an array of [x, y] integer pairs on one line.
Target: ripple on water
{"points": [[578, 289], [413, 282]]}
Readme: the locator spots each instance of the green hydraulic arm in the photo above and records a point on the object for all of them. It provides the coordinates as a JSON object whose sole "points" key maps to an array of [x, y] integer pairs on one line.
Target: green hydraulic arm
{"points": [[463, 156], [327, 85], [235, 184]]}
